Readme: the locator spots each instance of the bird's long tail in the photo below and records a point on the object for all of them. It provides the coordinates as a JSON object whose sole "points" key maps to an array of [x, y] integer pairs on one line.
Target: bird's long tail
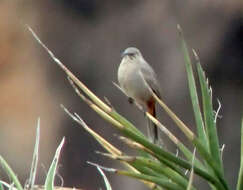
{"points": [[152, 128]]}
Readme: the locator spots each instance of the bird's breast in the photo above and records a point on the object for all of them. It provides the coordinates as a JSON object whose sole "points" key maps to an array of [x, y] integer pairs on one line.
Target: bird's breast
{"points": [[132, 83]]}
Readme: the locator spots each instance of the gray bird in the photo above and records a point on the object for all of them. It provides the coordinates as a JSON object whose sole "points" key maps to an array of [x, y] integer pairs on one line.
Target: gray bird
{"points": [[132, 66]]}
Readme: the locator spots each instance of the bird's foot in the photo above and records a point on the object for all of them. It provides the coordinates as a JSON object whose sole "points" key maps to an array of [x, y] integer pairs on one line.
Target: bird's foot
{"points": [[130, 100]]}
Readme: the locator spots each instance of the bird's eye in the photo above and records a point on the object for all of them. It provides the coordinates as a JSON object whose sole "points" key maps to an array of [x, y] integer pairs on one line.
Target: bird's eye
{"points": [[132, 55]]}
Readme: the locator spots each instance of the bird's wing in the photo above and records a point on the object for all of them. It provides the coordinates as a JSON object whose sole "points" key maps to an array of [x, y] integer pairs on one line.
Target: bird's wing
{"points": [[151, 78]]}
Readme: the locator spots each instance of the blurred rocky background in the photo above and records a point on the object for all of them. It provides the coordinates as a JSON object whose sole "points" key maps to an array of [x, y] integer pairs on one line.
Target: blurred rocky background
{"points": [[88, 37]]}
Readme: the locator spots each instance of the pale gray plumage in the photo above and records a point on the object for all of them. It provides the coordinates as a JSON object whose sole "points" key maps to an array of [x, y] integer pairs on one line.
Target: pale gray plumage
{"points": [[132, 66], [130, 80]]}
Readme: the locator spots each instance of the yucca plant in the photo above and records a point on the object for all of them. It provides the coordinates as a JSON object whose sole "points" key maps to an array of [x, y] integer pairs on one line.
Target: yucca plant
{"points": [[155, 166]]}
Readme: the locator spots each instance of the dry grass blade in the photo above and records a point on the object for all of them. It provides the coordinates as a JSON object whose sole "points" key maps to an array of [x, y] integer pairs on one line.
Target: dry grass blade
{"points": [[190, 135], [97, 109], [105, 144], [163, 128], [137, 146], [94, 98], [113, 170]]}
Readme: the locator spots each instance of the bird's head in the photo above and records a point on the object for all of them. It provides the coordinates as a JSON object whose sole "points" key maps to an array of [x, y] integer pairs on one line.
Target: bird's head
{"points": [[131, 53]]}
